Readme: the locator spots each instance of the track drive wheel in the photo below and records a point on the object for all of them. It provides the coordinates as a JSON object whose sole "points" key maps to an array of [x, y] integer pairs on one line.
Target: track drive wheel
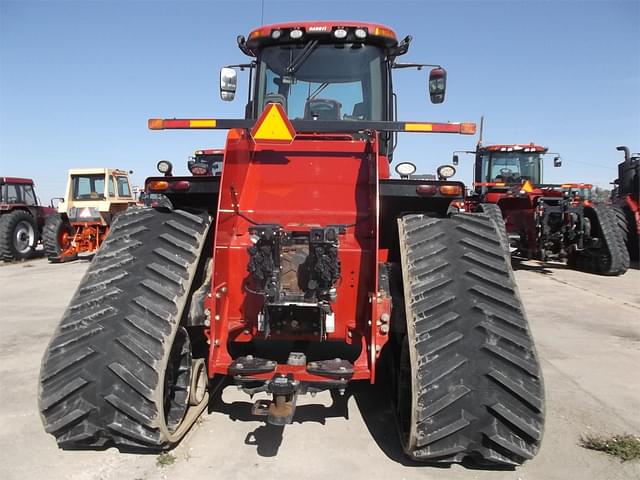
{"points": [[56, 238], [18, 236], [468, 382], [118, 370], [610, 255]]}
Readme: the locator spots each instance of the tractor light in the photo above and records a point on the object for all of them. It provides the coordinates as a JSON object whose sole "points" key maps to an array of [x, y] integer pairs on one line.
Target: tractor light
{"points": [[503, 149], [180, 185], [164, 167], [426, 190], [276, 34], [340, 33], [158, 185], [446, 171], [451, 190], [384, 32], [198, 169], [295, 34], [468, 128], [361, 33], [261, 32], [405, 169]]}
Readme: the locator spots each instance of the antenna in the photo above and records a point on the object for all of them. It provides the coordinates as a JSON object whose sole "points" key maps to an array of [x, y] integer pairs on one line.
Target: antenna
{"points": [[262, 12], [481, 129]]}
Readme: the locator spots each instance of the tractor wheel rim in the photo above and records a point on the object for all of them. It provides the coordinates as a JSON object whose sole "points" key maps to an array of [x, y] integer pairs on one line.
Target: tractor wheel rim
{"points": [[177, 380], [65, 240], [24, 237]]}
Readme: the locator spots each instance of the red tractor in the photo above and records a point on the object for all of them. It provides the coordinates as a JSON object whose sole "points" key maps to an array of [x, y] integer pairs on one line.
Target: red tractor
{"points": [[302, 268], [21, 218], [626, 197], [543, 221]]}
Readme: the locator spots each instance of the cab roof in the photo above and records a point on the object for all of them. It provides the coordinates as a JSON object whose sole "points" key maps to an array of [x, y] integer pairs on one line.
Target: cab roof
{"points": [[96, 171], [375, 33], [514, 147], [22, 181]]}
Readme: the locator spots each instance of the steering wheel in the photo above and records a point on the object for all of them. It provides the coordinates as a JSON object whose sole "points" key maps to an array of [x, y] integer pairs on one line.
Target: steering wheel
{"points": [[506, 172]]}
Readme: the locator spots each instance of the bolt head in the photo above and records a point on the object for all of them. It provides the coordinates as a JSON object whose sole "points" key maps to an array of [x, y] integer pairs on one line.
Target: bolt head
{"points": [[217, 317], [207, 322]]}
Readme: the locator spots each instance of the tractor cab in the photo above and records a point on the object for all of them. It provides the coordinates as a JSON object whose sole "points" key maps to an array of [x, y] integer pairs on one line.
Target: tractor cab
{"points": [[503, 167], [326, 71]]}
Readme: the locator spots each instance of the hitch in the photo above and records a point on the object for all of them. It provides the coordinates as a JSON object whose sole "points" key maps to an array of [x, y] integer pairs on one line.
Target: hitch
{"points": [[280, 410]]}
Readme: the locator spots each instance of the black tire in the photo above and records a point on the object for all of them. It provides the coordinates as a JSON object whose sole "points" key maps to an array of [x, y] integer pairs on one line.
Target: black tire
{"points": [[18, 236], [117, 370], [494, 213], [469, 383], [627, 223], [610, 257], [56, 237]]}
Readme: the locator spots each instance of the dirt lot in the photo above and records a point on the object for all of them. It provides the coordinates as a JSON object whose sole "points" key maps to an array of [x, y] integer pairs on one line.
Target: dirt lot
{"points": [[587, 329]]}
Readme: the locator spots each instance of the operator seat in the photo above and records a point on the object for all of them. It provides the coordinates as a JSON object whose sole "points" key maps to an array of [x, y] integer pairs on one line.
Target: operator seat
{"points": [[322, 109], [275, 98]]}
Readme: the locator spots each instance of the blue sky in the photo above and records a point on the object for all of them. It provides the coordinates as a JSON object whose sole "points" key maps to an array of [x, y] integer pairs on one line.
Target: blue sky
{"points": [[78, 79]]}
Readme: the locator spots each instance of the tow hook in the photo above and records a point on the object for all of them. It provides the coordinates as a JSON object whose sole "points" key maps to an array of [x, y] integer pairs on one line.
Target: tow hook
{"points": [[281, 409]]}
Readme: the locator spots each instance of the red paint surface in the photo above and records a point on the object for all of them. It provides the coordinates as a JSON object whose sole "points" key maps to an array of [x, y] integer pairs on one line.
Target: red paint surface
{"points": [[310, 182]]}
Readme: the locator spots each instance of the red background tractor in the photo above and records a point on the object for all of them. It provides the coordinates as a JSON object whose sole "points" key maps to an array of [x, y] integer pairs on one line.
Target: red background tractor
{"points": [[21, 218], [543, 221]]}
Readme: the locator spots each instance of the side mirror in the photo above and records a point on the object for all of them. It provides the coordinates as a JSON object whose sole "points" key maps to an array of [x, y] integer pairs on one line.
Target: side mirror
{"points": [[228, 83], [437, 84], [455, 160], [557, 161]]}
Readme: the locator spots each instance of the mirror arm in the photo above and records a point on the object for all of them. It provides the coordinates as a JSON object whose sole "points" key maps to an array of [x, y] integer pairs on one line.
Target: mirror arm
{"points": [[418, 66]]}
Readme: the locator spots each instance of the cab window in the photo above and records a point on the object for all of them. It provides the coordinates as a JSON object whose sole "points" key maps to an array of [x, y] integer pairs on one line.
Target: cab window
{"points": [[29, 195], [112, 187], [123, 187]]}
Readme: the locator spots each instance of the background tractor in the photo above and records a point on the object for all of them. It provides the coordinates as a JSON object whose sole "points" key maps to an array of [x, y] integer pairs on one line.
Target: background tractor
{"points": [[302, 268], [94, 196], [626, 198], [21, 218], [544, 221]]}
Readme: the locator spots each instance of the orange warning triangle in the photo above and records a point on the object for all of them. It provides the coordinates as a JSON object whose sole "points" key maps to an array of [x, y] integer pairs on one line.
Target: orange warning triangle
{"points": [[273, 126], [527, 186]]}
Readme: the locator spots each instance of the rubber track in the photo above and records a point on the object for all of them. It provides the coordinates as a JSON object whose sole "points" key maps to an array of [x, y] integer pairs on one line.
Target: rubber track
{"points": [[494, 213], [627, 223], [612, 258], [101, 375], [477, 388]]}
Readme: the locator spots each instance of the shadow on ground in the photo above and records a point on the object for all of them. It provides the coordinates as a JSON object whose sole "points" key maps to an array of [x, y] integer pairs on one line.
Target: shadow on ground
{"points": [[372, 401]]}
